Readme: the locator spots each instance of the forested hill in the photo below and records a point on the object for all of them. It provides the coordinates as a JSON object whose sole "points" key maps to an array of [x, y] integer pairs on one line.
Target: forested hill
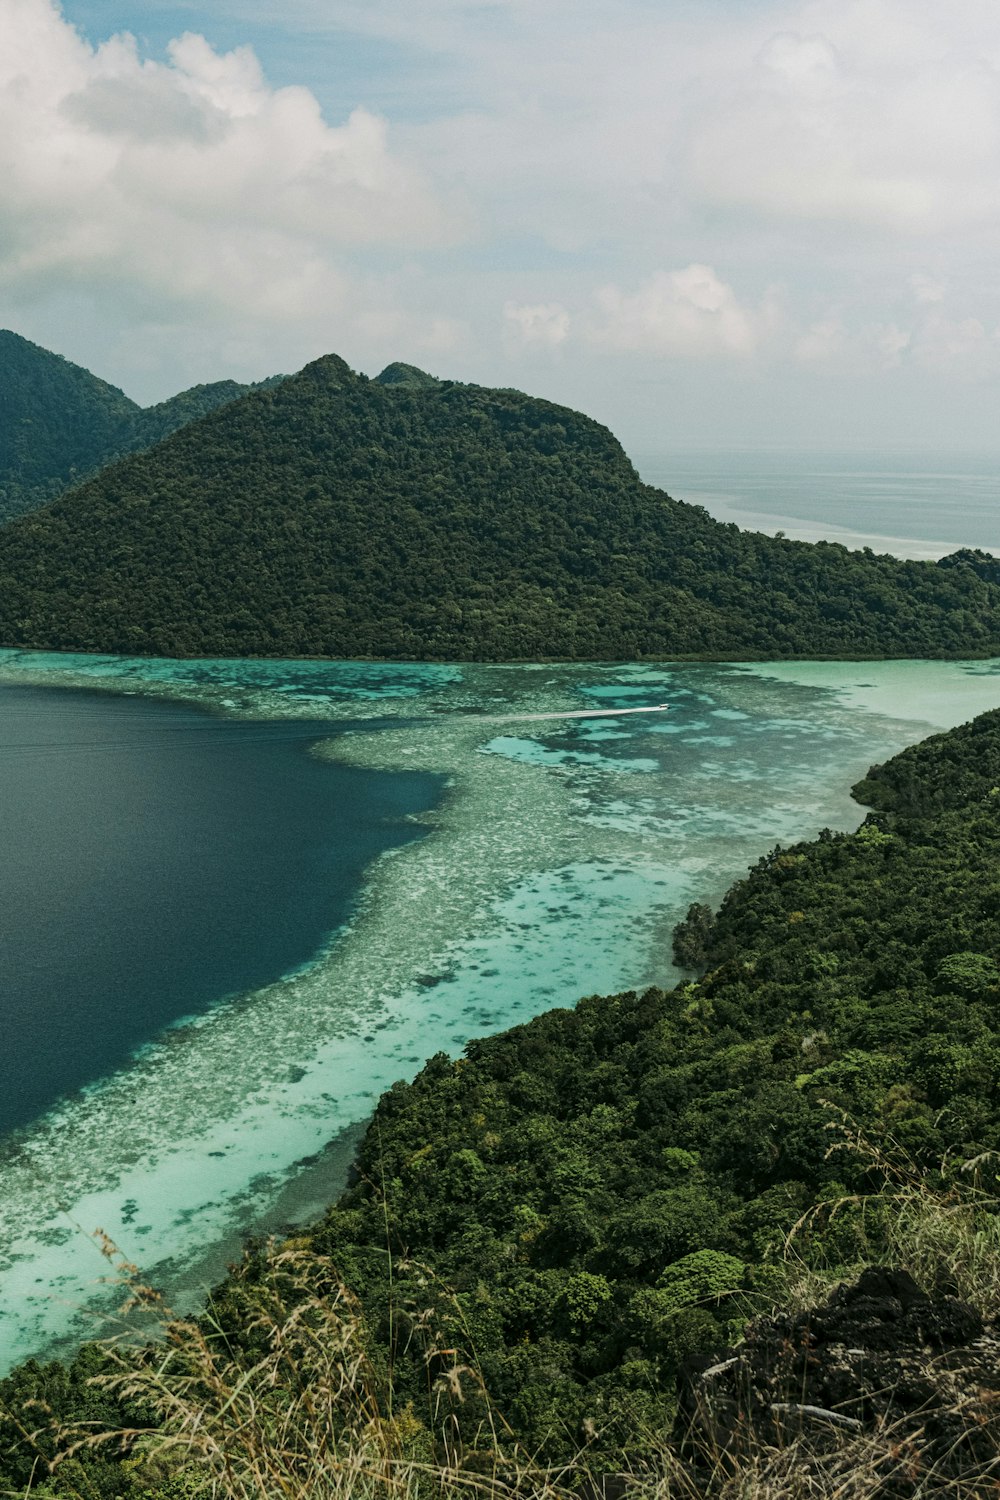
{"points": [[608, 1185], [59, 423], [408, 517]]}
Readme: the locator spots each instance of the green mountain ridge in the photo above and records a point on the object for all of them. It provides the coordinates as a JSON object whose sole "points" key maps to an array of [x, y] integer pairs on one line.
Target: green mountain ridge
{"points": [[408, 375], [59, 423], [412, 518]]}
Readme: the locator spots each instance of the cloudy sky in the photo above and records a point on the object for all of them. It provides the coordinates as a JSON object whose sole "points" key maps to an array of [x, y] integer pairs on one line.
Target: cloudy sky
{"points": [[701, 221]]}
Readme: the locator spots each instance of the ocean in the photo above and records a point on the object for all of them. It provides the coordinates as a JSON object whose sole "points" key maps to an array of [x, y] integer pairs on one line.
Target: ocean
{"points": [[157, 859], [908, 504]]}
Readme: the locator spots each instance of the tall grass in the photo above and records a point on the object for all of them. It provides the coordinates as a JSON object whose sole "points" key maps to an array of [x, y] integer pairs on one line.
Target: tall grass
{"points": [[942, 1224], [297, 1407], [301, 1405]]}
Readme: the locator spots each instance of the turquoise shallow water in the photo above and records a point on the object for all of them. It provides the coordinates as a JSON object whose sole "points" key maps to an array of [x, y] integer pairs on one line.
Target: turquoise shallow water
{"points": [[557, 864]]}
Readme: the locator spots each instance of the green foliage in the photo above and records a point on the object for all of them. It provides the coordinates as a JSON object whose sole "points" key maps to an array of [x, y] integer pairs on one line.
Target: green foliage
{"points": [[968, 973], [669, 1142], [703, 1276], [400, 374], [38, 1399], [584, 1297], [949, 770], [59, 423], [692, 935], [412, 518]]}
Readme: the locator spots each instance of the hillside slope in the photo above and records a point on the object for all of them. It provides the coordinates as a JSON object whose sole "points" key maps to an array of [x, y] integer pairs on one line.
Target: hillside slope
{"points": [[56, 420], [413, 518], [59, 423], [607, 1186]]}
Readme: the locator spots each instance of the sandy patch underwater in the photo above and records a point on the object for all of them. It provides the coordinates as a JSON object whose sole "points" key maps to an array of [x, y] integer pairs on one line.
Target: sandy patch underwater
{"points": [[557, 865]]}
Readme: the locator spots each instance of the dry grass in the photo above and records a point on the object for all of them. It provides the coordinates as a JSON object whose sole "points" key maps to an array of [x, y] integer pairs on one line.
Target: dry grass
{"points": [[309, 1415], [941, 1225]]}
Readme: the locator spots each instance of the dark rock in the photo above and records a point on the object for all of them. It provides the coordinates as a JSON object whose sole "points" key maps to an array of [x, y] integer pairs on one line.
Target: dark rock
{"points": [[881, 1363]]}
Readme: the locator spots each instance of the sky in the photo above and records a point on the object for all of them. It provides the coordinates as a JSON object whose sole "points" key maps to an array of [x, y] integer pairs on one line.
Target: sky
{"points": [[704, 222]]}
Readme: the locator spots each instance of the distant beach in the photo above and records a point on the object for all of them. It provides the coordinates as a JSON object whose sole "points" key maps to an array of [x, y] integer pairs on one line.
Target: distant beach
{"points": [[911, 506]]}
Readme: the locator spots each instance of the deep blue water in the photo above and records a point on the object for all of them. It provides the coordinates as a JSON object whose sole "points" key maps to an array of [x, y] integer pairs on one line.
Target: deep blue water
{"points": [[155, 859]]}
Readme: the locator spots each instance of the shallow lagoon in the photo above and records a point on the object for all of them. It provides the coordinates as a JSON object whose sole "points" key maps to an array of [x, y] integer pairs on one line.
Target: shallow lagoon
{"points": [[559, 860]]}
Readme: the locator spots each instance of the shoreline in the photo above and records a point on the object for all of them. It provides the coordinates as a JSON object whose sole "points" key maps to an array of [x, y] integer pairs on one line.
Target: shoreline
{"points": [[546, 873], [800, 529], [217, 1073]]}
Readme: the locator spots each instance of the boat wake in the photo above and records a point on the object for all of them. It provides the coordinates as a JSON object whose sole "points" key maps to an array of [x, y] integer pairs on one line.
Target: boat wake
{"points": [[580, 713]]}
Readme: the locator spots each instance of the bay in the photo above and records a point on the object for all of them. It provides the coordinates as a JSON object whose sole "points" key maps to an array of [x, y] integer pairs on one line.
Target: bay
{"points": [[555, 864]]}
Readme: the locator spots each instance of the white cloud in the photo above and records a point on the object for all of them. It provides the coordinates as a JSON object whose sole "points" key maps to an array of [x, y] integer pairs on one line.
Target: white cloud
{"points": [[890, 343], [879, 113], [873, 118], [958, 347], [679, 157], [689, 313], [189, 184], [542, 323], [927, 289], [389, 328], [861, 351], [821, 342]]}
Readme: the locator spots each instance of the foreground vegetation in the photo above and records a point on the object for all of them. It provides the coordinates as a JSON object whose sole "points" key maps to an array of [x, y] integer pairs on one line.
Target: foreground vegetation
{"points": [[412, 518], [300, 1408], [545, 1233]]}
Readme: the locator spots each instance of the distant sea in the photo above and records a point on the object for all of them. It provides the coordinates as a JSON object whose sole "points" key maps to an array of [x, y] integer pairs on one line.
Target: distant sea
{"points": [[911, 505]]}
